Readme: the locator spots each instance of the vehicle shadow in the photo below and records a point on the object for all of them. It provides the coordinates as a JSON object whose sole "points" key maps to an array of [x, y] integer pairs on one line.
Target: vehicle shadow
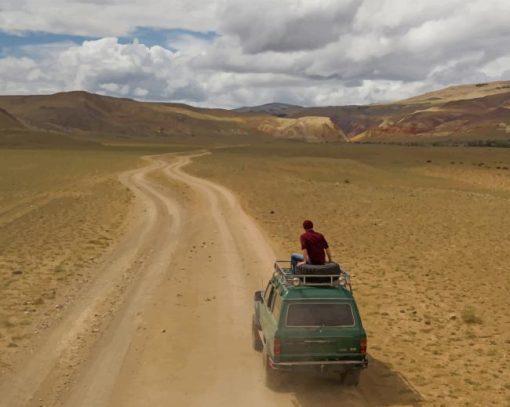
{"points": [[379, 386]]}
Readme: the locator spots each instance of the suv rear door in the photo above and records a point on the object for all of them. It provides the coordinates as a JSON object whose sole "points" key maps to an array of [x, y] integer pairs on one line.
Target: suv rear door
{"points": [[321, 330]]}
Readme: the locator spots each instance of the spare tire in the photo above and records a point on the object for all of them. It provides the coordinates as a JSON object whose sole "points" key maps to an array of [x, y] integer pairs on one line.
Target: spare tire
{"points": [[311, 270], [328, 269]]}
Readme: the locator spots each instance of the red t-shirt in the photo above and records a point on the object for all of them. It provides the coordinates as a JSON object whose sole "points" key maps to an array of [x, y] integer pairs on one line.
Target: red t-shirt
{"points": [[314, 243]]}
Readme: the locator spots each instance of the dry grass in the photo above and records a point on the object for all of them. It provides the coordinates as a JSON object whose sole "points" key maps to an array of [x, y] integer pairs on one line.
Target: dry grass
{"points": [[426, 240]]}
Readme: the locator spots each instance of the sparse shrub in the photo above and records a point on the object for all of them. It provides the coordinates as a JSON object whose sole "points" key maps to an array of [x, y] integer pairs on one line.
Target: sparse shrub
{"points": [[469, 316], [470, 382], [59, 269], [470, 335], [38, 301]]}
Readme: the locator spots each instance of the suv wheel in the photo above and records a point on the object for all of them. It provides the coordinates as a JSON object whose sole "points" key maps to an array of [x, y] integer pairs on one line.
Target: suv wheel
{"points": [[351, 377], [273, 378], [255, 337]]}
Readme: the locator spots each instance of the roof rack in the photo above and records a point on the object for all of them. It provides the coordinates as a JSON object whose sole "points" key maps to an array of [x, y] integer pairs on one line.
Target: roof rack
{"points": [[283, 273]]}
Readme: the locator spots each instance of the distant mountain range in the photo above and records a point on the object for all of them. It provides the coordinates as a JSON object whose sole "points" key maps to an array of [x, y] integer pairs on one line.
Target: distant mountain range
{"points": [[459, 113], [97, 117], [467, 112], [274, 109]]}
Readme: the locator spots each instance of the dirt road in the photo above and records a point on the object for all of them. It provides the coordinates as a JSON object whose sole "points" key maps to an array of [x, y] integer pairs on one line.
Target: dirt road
{"points": [[168, 320]]}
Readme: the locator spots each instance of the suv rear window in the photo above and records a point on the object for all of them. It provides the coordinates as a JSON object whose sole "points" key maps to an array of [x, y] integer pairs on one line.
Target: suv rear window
{"points": [[310, 315]]}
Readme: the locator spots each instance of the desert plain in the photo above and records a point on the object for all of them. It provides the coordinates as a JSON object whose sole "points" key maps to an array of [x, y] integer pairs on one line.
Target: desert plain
{"points": [[424, 232]]}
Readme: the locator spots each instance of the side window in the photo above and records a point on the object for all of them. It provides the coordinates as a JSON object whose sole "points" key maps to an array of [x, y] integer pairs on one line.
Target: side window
{"points": [[277, 306], [267, 293], [270, 300]]}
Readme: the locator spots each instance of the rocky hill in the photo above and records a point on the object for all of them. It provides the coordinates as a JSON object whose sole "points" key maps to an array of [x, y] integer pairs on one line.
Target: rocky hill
{"points": [[101, 116], [457, 114], [468, 112]]}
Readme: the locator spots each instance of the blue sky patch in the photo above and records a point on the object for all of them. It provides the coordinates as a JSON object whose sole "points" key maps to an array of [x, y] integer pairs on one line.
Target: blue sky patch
{"points": [[12, 44], [163, 37], [16, 45]]}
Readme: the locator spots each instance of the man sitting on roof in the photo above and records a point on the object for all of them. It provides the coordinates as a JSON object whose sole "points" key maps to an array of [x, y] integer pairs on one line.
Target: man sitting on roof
{"points": [[314, 246]]}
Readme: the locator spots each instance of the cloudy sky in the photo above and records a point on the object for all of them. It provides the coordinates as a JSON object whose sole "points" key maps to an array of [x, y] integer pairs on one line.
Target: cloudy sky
{"points": [[230, 53]]}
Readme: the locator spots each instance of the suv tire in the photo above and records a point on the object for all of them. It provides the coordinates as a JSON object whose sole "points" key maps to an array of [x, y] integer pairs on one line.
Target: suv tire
{"points": [[255, 337], [272, 378]]}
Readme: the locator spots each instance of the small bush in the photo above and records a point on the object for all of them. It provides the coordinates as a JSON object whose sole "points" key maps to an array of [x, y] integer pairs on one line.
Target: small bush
{"points": [[469, 335], [469, 316]]}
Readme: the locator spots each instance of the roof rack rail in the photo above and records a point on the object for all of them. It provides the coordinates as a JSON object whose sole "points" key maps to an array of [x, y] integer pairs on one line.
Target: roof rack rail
{"points": [[283, 272]]}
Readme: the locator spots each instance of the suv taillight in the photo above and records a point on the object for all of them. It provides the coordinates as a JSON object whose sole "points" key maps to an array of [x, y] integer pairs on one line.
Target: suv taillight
{"points": [[363, 345], [277, 346]]}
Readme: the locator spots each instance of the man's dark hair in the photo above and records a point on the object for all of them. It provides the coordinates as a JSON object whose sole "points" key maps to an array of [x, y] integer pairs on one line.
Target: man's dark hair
{"points": [[307, 225]]}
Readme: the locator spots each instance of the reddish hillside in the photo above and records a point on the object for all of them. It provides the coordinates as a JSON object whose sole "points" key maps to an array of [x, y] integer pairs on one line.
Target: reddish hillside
{"points": [[90, 114], [463, 112], [459, 113]]}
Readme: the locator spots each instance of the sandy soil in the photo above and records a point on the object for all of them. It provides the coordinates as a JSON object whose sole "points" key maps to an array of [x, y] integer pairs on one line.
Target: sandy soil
{"points": [[59, 212], [167, 321]]}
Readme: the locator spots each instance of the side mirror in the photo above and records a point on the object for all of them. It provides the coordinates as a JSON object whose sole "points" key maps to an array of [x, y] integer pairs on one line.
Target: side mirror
{"points": [[258, 296]]}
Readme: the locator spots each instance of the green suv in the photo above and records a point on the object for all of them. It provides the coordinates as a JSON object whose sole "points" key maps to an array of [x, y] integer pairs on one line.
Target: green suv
{"points": [[309, 321]]}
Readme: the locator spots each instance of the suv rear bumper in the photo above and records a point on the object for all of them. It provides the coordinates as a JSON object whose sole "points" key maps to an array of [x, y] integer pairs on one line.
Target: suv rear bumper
{"points": [[345, 364]]}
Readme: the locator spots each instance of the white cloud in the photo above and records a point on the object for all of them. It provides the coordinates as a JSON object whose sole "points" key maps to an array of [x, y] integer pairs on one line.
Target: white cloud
{"points": [[286, 25], [19, 75], [298, 51], [497, 67], [103, 18]]}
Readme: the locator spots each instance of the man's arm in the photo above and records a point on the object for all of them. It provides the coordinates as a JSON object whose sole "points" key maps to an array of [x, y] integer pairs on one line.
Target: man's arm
{"points": [[328, 255]]}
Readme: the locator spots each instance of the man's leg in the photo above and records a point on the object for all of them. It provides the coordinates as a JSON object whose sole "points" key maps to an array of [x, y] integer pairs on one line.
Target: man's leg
{"points": [[295, 258]]}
